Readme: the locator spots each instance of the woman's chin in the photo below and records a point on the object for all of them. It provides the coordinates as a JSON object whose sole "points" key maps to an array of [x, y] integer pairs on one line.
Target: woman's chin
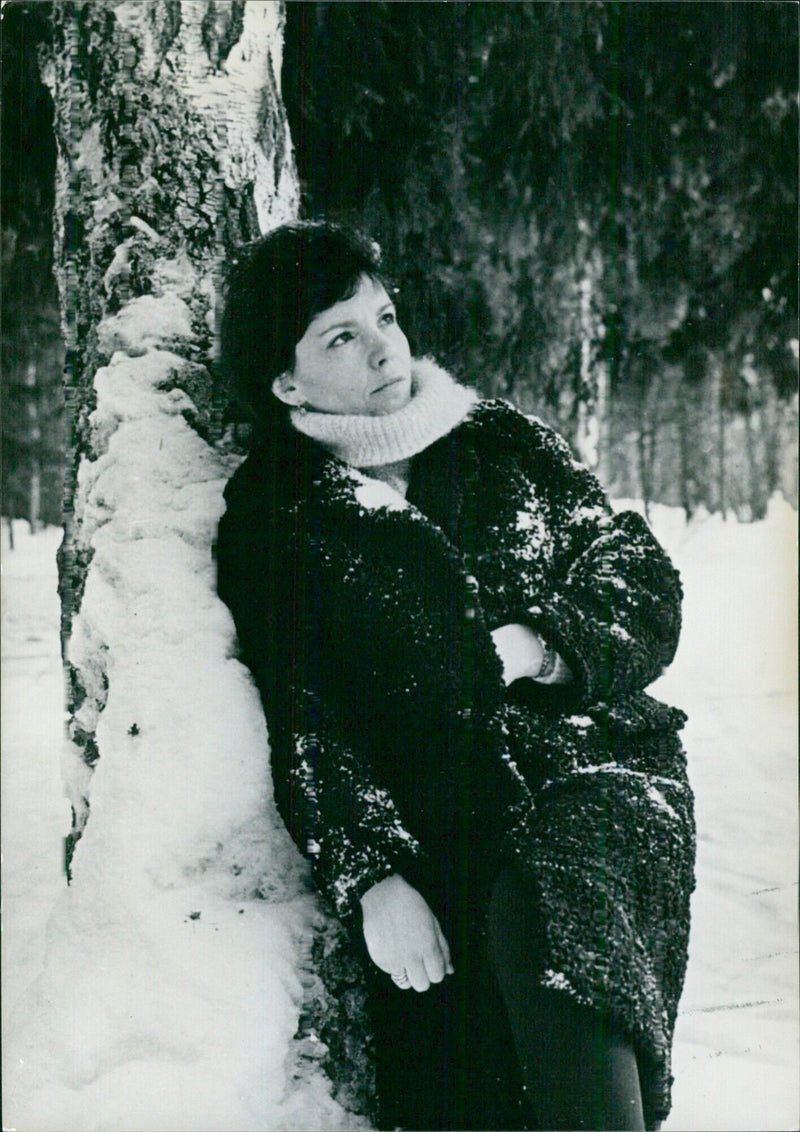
{"points": [[390, 398]]}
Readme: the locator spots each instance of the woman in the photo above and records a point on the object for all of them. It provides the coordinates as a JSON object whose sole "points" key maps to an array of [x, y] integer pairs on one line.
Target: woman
{"points": [[451, 633]]}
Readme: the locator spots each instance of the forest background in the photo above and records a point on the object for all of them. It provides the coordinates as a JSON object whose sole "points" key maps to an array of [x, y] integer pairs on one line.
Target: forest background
{"points": [[589, 208]]}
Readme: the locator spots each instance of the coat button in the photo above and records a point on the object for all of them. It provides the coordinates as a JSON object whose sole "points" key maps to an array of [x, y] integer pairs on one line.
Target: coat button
{"points": [[472, 583], [470, 613]]}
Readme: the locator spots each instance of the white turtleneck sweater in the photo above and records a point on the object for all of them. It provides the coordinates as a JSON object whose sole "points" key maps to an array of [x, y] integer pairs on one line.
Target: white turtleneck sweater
{"points": [[383, 447]]}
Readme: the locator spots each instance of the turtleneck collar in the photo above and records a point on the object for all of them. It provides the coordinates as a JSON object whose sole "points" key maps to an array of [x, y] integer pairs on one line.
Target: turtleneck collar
{"points": [[437, 405]]}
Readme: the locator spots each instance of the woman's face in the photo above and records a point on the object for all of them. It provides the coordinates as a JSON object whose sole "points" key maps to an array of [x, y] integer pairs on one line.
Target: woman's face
{"points": [[353, 358]]}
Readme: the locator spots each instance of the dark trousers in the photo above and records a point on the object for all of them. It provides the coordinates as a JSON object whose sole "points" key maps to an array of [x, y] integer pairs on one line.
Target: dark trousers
{"points": [[578, 1070], [491, 1049]]}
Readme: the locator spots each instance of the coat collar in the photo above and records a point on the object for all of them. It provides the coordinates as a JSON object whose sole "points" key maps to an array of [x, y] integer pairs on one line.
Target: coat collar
{"points": [[290, 472], [437, 491]]}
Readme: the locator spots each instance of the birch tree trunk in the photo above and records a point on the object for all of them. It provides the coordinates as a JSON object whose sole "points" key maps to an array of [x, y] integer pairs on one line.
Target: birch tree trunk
{"points": [[687, 485], [591, 440], [722, 484], [181, 986], [173, 148], [34, 456]]}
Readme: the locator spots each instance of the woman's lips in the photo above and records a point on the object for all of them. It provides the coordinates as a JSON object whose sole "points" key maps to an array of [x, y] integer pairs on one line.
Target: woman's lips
{"points": [[386, 384]]}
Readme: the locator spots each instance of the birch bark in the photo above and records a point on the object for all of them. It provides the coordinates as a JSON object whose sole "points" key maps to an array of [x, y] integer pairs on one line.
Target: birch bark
{"points": [[173, 148]]}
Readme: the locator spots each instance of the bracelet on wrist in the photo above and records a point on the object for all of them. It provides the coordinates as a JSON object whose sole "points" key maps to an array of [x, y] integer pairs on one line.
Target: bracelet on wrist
{"points": [[549, 660]]}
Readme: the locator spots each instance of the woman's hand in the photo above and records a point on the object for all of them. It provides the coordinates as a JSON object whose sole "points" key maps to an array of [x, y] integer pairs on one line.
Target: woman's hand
{"points": [[524, 653], [520, 650], [403, 935]]}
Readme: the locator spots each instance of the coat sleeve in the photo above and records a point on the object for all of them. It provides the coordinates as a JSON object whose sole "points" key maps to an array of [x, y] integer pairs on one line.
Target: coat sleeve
{"points": [[326, 791], [344, 821], [611, 604]]}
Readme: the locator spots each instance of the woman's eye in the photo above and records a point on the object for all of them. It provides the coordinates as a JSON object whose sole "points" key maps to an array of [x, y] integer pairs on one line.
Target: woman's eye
{"points": [[340, 339], [388, 317]]}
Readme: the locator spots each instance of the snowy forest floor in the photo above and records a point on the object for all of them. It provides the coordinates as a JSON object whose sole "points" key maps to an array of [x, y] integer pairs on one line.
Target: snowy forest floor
{"points": [[736, 1045]]}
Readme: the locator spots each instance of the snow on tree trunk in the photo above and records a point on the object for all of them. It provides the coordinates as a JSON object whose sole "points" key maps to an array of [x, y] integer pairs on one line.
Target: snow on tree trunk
{"points": [[179, 966]]}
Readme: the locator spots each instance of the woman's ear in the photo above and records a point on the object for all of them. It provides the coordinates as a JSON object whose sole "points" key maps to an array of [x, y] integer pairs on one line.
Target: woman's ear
{"points": [[285, 389]]}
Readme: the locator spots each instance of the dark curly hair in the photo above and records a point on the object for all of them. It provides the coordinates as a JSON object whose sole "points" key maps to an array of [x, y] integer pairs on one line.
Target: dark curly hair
{"points": [[275, 287]]}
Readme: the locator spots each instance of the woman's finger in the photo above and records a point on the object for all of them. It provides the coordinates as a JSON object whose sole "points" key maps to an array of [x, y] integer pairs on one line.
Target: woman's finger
{"points": [[445, 950], [434, 963], [417, 975]]}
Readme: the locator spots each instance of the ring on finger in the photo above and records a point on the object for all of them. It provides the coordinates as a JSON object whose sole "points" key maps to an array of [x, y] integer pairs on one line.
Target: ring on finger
{"points": [[401, 979]]}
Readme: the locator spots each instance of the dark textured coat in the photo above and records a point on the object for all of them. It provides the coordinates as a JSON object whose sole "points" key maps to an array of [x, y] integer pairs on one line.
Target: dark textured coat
{"points": [[366, 621]]}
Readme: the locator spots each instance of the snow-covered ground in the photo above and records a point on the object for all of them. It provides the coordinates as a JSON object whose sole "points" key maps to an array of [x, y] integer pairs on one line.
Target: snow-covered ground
{"points": [[162, 990], [736, 1050]]}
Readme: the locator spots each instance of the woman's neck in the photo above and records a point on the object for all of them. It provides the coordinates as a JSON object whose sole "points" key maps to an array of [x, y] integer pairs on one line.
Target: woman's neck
{"points": [[437, 406]]}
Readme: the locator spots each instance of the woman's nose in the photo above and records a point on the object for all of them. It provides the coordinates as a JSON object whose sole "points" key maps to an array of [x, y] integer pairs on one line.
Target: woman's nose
{"points": [[378, 348]]}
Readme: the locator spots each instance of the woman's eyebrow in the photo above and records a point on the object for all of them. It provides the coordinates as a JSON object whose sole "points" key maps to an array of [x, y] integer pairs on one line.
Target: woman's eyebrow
{"points": [[336, 326]]}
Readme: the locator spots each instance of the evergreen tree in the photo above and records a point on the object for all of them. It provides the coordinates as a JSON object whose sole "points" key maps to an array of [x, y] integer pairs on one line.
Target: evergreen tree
{"points": [[590, 208], [32, 351]]}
